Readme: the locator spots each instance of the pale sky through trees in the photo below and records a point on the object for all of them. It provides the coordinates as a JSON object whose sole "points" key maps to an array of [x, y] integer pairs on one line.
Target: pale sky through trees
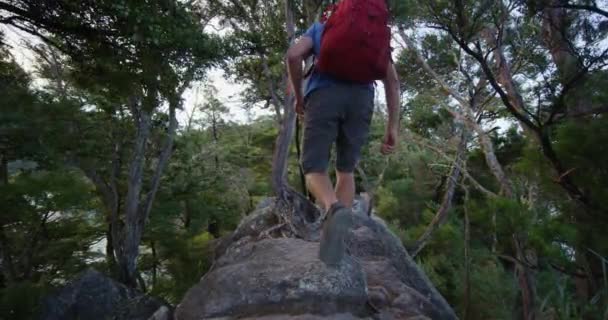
{"points": [[228, 90]]}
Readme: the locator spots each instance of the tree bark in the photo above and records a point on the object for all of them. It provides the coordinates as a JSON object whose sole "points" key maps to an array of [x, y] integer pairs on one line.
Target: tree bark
{"points": [[281, 154], [132, 230]]}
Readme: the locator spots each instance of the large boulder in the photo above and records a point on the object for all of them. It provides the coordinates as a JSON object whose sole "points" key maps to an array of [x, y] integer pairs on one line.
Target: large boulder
{"points": [[397, 285], [93, 296], [276, 276], [263, 273]]}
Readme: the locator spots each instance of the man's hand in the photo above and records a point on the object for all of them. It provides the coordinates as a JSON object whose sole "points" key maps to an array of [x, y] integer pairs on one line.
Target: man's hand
{"points": [[295, 55], [389, 142], [299, 105]]}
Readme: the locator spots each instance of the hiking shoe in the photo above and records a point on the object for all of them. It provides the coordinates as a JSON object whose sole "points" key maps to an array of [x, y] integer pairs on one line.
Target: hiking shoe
{"points": [[335, 228]]}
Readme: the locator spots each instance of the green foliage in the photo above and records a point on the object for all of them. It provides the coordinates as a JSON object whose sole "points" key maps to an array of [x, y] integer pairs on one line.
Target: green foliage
{"points": [[49, 226], [576, 141], [180, 260], [557, 299], [21, 300], [490, 284]]}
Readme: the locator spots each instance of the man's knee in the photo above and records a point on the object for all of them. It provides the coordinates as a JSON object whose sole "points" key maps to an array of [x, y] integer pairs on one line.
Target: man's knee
{"points": [[345, 174], [313, 175]]}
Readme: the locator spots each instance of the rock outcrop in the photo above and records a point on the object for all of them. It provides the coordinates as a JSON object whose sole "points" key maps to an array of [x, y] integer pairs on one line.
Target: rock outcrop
{"points": [[260, 273], [93, 296]]}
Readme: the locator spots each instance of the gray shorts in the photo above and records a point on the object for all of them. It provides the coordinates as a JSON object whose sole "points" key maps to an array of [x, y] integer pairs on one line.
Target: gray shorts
{"points": [[340, 113]]}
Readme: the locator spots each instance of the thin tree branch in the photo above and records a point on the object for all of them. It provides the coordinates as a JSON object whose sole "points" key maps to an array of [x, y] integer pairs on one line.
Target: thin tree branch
{"points": [[446, 203], [428, 68], [589, 8], [421, 141], [272, 88], [167, 149]]}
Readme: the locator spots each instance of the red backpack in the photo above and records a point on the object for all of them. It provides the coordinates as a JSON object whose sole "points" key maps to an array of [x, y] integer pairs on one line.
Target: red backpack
{"points": [[356, 41]]}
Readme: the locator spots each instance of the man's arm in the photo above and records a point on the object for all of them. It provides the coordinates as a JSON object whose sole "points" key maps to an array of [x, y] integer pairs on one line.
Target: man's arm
{"points": [[295, 55], [391, 89]]}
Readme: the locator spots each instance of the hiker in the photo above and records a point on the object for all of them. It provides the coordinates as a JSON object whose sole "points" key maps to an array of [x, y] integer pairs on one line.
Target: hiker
{"points": [[351, 50]]}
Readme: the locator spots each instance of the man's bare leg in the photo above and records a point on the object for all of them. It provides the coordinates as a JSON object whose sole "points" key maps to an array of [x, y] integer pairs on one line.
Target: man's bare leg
{"points": [[345, 188], [332, 247], [321, 188]]}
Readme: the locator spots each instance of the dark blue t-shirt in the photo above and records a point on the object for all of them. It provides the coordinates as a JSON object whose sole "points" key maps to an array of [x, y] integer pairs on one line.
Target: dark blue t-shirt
{"points": [[319, 80]]}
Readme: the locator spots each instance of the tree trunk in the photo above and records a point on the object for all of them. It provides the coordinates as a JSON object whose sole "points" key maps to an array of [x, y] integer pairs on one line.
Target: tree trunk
{"points": [[554, 30], [137, 208], [524, 279], [493, 164], [467, 262], [299, 155], [110, 259], [214, 229], [281, 154], [111, 202], [154, 263], [27, 254], [215, 139], [446, 203], [3, 170], [132, 231], [187, 215], [8, 268]]}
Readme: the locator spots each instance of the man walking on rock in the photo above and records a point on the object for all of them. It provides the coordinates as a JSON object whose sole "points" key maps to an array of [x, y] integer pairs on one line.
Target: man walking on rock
{"points": [[352, 49]]}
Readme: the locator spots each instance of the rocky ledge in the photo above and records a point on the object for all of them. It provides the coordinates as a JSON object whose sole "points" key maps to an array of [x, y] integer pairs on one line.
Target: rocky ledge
{"points": [[264, 275]]}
